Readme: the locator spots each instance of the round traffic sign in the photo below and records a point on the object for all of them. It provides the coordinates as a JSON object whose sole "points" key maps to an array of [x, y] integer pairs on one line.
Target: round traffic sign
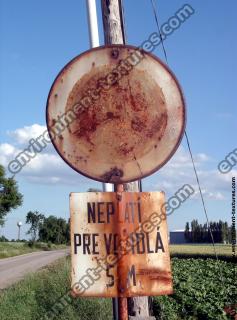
{"points": [[116, 113]]}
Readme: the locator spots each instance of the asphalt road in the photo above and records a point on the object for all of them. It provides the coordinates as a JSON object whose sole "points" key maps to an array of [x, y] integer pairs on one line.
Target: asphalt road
{"points": [[15, 268]]}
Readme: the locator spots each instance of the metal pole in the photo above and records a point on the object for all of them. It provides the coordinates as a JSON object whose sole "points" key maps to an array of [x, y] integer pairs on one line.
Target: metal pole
{"points": [[113, 22], [94, 42], [92, 23], [108, 187], [122, 302]]}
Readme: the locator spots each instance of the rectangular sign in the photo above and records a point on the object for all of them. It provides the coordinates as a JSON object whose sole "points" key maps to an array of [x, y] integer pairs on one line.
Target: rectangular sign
{"points": [[119, 244]]}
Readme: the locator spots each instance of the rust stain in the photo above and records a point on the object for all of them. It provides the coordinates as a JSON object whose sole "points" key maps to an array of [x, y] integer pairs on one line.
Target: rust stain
{"points": [[136, 115], [158, 125], [123, 308], [113, 176], [115, 53], [137, 124], [118, 119], [125, 148], [152, 272]]}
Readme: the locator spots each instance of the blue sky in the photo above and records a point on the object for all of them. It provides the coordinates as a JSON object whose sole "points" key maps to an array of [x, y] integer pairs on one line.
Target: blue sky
{"points": [[39, 37]]}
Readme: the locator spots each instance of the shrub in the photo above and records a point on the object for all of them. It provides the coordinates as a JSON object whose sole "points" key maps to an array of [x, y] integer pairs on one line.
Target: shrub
{"points": [[3, 239]]}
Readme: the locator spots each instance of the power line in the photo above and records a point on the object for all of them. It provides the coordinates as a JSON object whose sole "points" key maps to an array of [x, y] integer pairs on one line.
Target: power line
{"points": [[155, 11]]}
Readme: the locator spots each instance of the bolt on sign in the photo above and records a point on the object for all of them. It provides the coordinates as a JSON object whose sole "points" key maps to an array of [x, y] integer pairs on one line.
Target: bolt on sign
{"points": [[118, 107], [119, 244]]}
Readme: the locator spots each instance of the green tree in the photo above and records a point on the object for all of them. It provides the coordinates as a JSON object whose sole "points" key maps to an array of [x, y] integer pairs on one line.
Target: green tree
{"points": [[10, 198], [55, 230], [195, 230], [187, 232], [34, 218], [202, 233], [206, 233]]}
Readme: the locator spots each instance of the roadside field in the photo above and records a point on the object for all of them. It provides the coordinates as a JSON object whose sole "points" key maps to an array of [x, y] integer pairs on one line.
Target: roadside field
{"points": [[203, 289], [199, 293], [11, 249], [224, 251]]}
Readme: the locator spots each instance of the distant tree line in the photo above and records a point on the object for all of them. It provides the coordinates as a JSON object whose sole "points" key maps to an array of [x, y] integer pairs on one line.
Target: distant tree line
{"points": [[4, 239], [48, 229], [197, 232]]}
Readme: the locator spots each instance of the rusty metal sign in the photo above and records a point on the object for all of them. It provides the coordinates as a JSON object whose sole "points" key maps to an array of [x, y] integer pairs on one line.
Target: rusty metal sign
{"points": [[119, 244], [116, 114]]}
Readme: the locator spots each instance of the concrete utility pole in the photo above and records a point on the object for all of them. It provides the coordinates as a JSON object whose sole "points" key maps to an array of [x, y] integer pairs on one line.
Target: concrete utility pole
{"points": [[112, 14]]}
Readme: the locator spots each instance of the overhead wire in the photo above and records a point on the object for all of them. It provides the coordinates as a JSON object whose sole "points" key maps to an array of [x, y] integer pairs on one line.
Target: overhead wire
{"points": [[155, 11]]}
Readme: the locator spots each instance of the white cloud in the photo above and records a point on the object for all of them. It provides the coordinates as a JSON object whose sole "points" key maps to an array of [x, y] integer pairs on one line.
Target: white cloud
{"points": [[179, 171], [47, 167], [6, 151], [23, 135], [201, 157]]}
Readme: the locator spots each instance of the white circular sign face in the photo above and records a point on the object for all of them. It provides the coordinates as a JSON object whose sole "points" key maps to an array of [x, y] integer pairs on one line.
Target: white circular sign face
{"points": [[116, 114]]}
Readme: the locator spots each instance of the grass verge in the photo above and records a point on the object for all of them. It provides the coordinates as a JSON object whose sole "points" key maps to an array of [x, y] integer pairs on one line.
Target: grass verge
{"points": [[33, 298], [11, 249], [199, 293]]}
